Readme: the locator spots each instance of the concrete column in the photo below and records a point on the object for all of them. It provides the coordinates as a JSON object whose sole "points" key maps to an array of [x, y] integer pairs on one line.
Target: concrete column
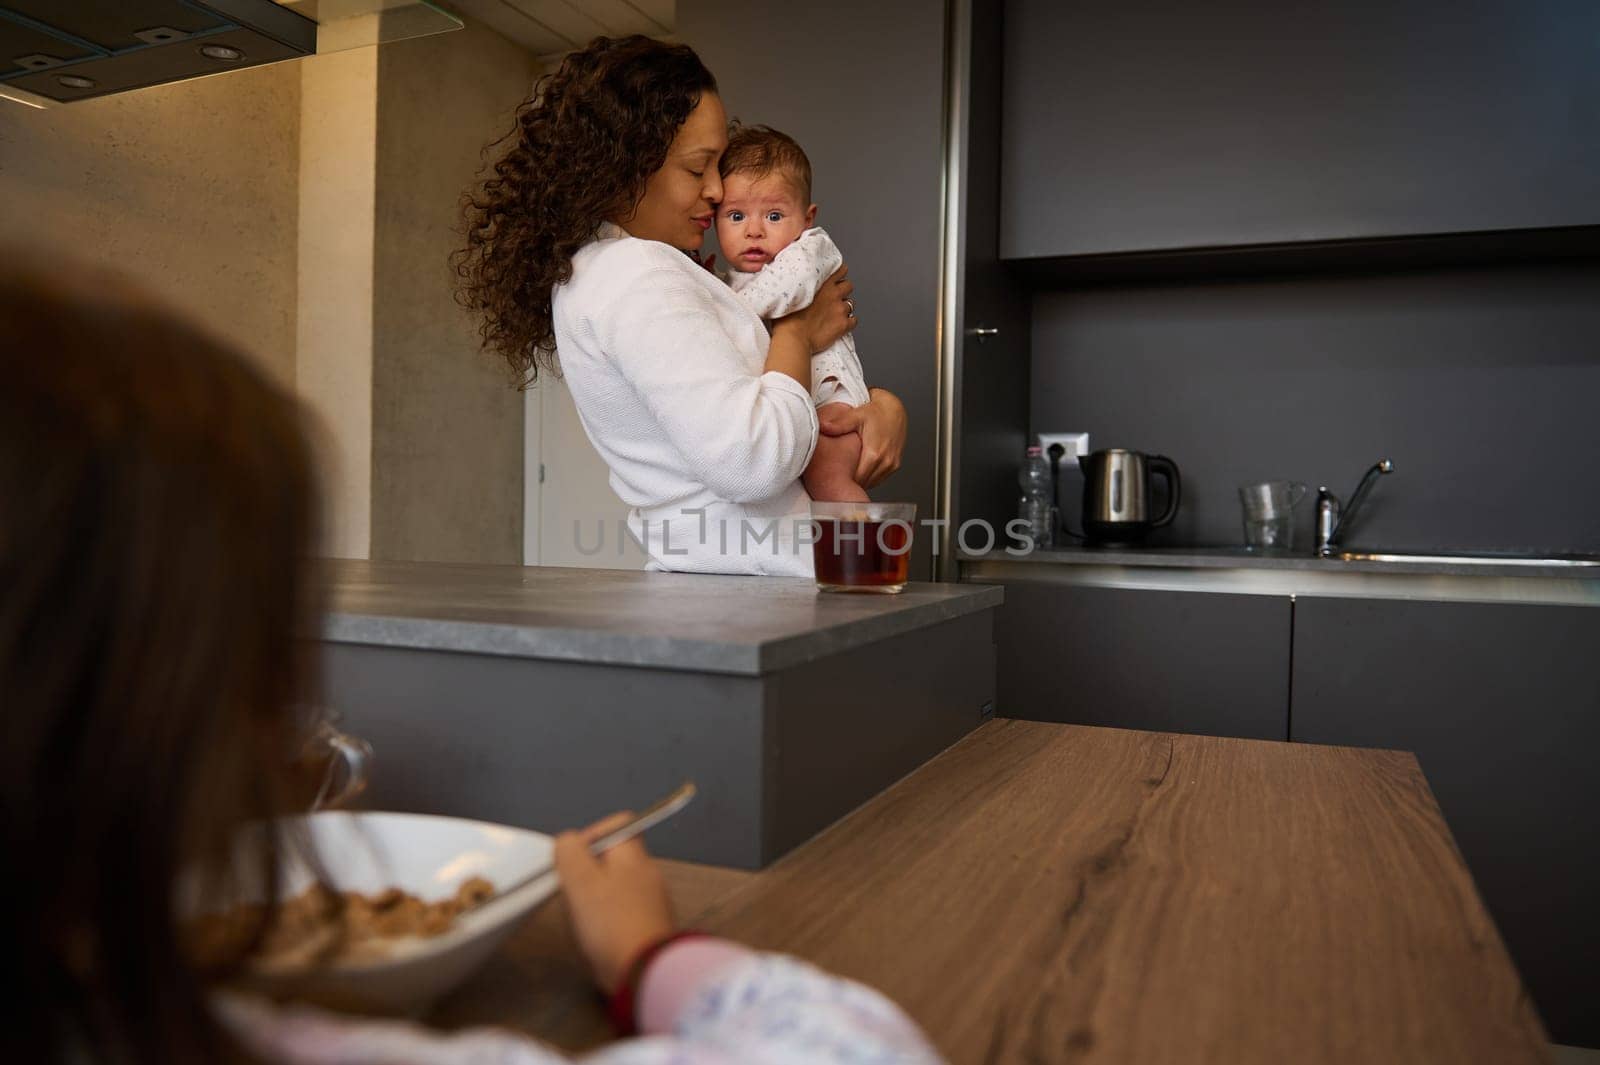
{"points": [[337, 181], [447, 421]]}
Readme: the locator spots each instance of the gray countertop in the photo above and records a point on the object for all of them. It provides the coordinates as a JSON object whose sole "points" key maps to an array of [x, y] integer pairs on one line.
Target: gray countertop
{"points": [[1236, 571], [698, 623], [1242, 558]]}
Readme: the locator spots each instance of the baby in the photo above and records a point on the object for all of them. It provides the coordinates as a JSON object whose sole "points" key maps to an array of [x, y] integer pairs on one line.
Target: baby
{"points": [[777, 260]]}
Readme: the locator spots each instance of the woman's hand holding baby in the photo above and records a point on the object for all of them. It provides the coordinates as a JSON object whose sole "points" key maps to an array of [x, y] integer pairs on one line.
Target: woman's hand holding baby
{"points": [[830, 315], [618, 899], [798, 336], [882, 425]]}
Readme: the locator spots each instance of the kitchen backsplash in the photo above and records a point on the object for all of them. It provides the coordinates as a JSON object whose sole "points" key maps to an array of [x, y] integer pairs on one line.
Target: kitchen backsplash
{"points": [[1482, 385]]}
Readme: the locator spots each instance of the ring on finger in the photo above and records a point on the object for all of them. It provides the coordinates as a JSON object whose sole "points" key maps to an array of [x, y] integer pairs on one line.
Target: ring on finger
{"points": [[849, 307]]}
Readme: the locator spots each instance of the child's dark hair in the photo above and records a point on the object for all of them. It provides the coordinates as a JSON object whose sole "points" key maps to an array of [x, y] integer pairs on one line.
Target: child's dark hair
{"points": [[157, 504], [761, 150]]}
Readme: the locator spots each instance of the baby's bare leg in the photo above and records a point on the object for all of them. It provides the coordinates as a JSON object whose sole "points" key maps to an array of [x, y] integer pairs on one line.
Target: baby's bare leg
{"points": [[831, 474]]}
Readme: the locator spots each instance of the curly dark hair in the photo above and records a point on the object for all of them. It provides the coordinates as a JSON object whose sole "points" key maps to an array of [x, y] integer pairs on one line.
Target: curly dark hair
{"points": [[583, 148]]}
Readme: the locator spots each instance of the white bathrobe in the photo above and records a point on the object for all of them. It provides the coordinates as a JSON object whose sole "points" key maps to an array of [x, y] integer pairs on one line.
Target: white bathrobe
{"points": [[666, 363]]}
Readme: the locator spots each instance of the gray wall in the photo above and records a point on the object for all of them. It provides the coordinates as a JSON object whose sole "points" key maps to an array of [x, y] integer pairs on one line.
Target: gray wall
{"points": [[861, 87], [193, 188], [1483, 386], [447, 421]]}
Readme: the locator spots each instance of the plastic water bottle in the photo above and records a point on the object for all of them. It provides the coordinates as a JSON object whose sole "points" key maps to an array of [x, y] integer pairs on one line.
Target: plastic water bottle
{"points": [[1037, 506]]}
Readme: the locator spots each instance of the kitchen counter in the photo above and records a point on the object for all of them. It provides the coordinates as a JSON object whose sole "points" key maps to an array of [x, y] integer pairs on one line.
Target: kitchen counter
{"points": [[1243, 558], [1237, 570], [548, 697], [691, 622], [1053, 892]]}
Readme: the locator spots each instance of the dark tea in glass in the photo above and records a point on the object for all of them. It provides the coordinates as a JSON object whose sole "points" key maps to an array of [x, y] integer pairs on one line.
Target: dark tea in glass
{"points": [[862, 547]]}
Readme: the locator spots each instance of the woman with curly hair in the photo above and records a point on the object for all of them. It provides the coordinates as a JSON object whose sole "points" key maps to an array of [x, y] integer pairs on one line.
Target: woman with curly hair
{"points": [[578, 259]]}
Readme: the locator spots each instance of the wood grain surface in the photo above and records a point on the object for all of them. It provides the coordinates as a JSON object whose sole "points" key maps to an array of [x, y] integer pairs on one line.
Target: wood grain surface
{"points": [[1060, 893]]}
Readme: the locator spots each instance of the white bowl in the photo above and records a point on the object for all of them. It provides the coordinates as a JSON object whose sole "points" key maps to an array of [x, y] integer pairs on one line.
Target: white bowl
{"points": [[429, 857]]}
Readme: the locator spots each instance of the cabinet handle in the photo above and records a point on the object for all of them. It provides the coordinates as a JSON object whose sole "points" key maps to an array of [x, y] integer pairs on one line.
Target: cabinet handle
{"points": [[982, 331]]}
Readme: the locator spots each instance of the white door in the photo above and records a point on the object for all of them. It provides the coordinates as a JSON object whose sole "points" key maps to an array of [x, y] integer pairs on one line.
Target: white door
{"points": [[570, 515]]}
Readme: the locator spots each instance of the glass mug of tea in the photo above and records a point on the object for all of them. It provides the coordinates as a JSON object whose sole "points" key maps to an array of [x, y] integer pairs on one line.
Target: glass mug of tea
{"points": [[862, 547], [331, 767]]}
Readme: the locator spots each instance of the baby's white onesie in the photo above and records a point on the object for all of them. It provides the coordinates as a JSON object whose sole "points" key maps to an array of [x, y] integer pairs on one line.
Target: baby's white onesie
{"points": [[789, 283]]}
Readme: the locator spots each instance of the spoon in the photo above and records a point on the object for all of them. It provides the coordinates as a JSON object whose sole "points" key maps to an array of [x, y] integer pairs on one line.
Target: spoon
{"points": [[653, 815]]}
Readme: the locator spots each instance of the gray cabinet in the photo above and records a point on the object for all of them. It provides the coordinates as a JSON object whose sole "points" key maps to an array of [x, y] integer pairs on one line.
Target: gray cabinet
{"points": [[1165, 661], [548, 743], [1162, 127], [1501, 704]]}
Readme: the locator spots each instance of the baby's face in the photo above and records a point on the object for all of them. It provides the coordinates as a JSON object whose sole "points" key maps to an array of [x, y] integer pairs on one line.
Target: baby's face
{"points": [[758, 218]]}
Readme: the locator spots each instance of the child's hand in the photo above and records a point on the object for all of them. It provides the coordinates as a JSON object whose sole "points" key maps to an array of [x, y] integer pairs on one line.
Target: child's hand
{"points": [[618, 900]]}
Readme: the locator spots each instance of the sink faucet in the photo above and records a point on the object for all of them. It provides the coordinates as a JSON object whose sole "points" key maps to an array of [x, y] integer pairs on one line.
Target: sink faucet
{"points": [[1333, 518]]}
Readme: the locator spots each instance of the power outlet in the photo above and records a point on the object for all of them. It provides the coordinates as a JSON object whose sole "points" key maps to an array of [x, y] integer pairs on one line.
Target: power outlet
{"points": [[1075, 444]]}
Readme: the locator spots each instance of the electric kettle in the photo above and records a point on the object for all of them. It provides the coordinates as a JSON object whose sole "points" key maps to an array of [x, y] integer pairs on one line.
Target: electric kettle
{"points": [[1116, 494]]}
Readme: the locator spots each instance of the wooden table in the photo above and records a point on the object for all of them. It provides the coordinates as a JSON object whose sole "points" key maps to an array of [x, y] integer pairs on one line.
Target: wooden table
{"points": [[1055, 893]]}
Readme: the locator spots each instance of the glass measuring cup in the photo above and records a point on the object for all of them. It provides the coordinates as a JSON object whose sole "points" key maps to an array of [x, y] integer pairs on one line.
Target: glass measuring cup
{"points": [[1269, 514]]}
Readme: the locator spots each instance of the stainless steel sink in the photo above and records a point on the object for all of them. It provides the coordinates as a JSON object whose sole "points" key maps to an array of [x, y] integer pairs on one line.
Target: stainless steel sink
{"points": [[1531, 561]]}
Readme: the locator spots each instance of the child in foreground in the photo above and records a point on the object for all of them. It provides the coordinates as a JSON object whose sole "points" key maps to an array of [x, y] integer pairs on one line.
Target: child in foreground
{"points": [[155, 594]]}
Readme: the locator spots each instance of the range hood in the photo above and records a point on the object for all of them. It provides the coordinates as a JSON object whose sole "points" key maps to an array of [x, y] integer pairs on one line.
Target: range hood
{"points": [[61, 51]]}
